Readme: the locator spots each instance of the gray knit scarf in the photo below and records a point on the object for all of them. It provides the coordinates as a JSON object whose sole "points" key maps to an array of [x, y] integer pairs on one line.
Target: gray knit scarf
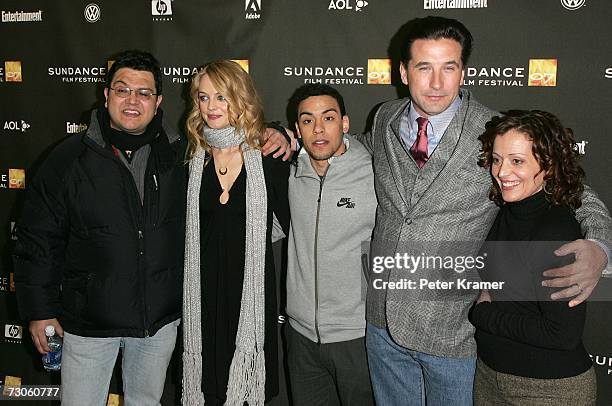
{"points": [[247, 371]]}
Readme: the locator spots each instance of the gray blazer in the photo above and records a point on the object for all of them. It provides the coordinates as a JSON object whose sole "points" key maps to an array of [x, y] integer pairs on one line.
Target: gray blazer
{"points": [[445, 201]]}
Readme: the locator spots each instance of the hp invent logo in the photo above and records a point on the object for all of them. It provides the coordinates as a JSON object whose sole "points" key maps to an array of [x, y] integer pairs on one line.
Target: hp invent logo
{"points": [[92, 12], [572, 4]]}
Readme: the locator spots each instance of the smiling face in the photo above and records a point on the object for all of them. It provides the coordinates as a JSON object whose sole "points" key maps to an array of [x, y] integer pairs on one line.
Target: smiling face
{"points": [[131, 114], [212, 104], [321, 127], [514, 166], [433, 74]]}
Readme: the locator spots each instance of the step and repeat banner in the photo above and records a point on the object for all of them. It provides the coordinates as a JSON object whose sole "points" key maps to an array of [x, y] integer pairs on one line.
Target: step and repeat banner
{"points": [[551, 55]]}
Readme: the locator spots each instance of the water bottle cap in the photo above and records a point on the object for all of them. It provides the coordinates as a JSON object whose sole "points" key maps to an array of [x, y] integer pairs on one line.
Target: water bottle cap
{"points": [[49, 331]]}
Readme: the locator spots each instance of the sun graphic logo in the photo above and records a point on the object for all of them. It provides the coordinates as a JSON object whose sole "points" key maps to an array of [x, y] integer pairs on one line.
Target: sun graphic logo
{"points": [[244, 64], [542, 72], [379, 71], [12, 71], [16, 179]]}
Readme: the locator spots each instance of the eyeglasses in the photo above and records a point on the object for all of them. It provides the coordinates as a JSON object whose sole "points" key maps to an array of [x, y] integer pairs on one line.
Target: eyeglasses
{"points": [[141, 94]]}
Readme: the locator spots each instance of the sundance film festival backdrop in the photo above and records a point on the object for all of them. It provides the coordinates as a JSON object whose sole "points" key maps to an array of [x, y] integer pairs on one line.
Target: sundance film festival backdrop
{"points": [[552, 55]]}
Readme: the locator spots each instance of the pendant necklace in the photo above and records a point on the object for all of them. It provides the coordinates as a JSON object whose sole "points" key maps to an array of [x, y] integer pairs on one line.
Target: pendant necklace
{"points": [[224, 198]]}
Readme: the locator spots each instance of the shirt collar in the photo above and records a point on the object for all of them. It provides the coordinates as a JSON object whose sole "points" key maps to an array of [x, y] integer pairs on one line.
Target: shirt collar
{"points": [[440, 121]]}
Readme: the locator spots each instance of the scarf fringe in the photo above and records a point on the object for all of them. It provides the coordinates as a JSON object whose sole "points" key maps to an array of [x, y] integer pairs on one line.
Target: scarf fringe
{"points": [[247, 379], [192, 380]]}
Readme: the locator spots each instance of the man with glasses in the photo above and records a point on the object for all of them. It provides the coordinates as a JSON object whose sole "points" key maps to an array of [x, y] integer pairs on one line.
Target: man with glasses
{"points": [[100, 242]]}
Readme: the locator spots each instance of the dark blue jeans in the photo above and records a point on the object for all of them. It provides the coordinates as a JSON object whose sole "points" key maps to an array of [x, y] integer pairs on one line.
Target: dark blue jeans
{"points": [[411, 378]]}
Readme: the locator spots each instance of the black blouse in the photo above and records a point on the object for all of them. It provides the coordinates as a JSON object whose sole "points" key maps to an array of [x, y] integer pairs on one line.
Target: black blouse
{"points": [[535, 336], [222, 247]]}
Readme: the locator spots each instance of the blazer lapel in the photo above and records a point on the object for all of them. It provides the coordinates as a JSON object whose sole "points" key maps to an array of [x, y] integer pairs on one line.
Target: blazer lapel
{"points": [[400, 162]]}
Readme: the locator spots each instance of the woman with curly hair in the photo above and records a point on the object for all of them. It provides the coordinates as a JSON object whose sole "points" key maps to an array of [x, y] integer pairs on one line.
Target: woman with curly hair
{"points": [[229, 303], [530, 349]]}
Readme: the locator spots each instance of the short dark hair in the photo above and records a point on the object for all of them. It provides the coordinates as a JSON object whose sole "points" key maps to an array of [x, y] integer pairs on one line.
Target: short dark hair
{"points": [[137, 60], [432, 27], [315, 89], [553, 148]]}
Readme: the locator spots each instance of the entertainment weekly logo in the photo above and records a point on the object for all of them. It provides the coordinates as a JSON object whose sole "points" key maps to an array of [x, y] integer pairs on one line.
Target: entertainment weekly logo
{"points": [[451, 4], [21, 16], [581, 147], [75, 128], [183, 74], [539, 73], [376, 72]]}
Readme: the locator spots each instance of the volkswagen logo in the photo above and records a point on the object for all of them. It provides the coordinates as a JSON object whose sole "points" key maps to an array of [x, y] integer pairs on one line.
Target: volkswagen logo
{"points": [[92, 12], [572, 4]]}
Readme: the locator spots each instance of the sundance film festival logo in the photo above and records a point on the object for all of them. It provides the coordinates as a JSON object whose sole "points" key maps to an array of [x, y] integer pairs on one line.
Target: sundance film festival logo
{"points": [[78, 74], [378, 72], [21, 16], [183, 74], [16, 125], [608, 73], [357, 5], [92, 13], [252, 9], [13, 333], [7, 283], [540, 72], [445, 4], [161, 10], [603, 361], [572, 4]]}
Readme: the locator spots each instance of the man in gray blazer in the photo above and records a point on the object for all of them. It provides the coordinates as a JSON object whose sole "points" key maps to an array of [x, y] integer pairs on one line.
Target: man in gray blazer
{"points": [[430, 188]]}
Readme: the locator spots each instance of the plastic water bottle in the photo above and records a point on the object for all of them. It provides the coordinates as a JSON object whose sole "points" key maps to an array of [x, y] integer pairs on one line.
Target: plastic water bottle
{"points": [[52, 361]]}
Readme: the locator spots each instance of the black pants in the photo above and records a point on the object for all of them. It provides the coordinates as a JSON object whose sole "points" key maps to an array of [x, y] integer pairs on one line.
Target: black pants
{"points": [[328, 374]]}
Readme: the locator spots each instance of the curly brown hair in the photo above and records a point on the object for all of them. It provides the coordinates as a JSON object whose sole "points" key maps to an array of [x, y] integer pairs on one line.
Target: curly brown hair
{"points": [[553, 148]]}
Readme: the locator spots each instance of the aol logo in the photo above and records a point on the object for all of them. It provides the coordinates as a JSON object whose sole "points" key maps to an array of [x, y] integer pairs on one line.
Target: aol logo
{"points": [[346, 5], [16, 126], [572, 4], [92, 12]]}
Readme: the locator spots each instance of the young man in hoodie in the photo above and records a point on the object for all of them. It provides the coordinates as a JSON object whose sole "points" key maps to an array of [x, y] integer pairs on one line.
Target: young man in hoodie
{"points": [[333, 205]]}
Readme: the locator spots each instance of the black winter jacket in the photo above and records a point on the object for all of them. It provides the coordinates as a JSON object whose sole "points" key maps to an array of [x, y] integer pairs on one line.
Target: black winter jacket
{"points": [[90, 253]]}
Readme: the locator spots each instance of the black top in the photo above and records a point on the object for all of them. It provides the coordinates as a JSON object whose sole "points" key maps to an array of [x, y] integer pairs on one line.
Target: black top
{"points": [[539, 338], [222, 246], [94, 255]]}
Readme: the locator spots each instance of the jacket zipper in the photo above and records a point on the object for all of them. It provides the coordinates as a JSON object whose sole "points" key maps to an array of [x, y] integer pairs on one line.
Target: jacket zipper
{"points": [[316, 262], [140, 209]]}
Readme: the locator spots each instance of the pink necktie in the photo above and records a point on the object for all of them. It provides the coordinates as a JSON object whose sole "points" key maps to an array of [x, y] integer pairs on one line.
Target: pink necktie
{"points": [[419, 148]]}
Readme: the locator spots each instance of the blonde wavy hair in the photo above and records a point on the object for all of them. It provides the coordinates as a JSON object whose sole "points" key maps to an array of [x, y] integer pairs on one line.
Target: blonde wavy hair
{"points": [[243, 104]]}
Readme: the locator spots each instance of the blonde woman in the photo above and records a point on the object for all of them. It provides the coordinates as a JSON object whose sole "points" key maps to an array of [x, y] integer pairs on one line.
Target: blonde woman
{"points": [[229, 305]]}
